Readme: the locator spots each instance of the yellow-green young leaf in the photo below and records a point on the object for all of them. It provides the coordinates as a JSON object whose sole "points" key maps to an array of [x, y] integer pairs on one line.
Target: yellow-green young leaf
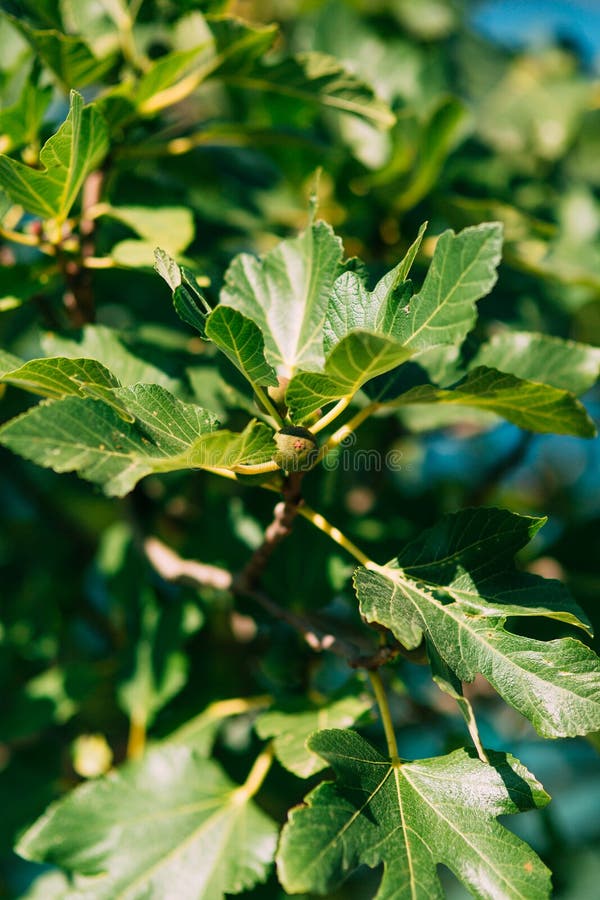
{"points": [[242, 342], [353, 306], [463, 270], [68, 56], [315, 78], [226, 449], [358, 357], [170, 226], [67, 158], [230, 45], [540, 357], [199, 732], [456, 585], [412, 818], [286, 294], [171, 825], [291, 729], [535, 407]]}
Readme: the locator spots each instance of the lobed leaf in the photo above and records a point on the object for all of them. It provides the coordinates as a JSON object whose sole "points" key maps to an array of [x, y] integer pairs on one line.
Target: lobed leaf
{"points": [[88, 437], [172, 824], [286, 294], [358, 357], [455, 586], [352, 306], [463, 270], [412, 817]]}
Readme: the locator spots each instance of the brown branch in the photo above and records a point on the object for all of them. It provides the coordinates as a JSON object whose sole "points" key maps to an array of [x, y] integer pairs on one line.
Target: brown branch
{"points": [[317, 634], [283, 518], [173, 567]]}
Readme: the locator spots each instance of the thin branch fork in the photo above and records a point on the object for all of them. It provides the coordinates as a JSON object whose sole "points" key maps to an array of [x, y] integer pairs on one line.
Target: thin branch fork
{"points": [[174, 568]]}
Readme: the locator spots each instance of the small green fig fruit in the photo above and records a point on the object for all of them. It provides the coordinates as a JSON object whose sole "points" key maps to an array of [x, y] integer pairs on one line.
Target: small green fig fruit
{"points": [[297, 448]]}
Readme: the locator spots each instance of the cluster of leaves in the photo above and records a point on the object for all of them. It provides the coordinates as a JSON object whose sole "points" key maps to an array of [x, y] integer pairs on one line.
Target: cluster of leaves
{"points": [[302, 340]]}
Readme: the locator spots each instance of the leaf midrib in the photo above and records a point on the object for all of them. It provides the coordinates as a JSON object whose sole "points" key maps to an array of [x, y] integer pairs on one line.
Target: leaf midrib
{"points": [[458, 283], [478, 637], [463, 836]]}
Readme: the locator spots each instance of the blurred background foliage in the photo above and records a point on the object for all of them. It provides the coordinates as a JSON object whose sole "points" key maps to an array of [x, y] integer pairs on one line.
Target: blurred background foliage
{"points": [[498, 117]]}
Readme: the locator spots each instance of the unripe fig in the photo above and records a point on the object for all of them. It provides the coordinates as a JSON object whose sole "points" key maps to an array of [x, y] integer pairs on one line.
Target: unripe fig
{"points": [[297, 448]]}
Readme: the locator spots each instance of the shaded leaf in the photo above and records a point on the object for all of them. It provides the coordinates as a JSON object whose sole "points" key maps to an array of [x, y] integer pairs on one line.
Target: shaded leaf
{"points": [[455, 585], [535, 407], [158, 666], [445, 128], [291, 728], [412, 817], [106, 346], [67, 55], [172, 824], [67, 157], [189, 302], [316, 78], [20, 123]]}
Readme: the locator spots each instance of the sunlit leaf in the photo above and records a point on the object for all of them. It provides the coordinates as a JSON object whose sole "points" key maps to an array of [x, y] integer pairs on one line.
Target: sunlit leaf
{"points": [[173, 823], [242, 342], [455, 586], [463, 270], [412, 817], [536, 407], [67, 158], [286, 294], [359, 356], [540, 357]]}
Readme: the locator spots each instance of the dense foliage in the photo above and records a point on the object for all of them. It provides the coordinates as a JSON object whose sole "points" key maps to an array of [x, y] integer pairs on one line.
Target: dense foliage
{"points": [[379, 233]]}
